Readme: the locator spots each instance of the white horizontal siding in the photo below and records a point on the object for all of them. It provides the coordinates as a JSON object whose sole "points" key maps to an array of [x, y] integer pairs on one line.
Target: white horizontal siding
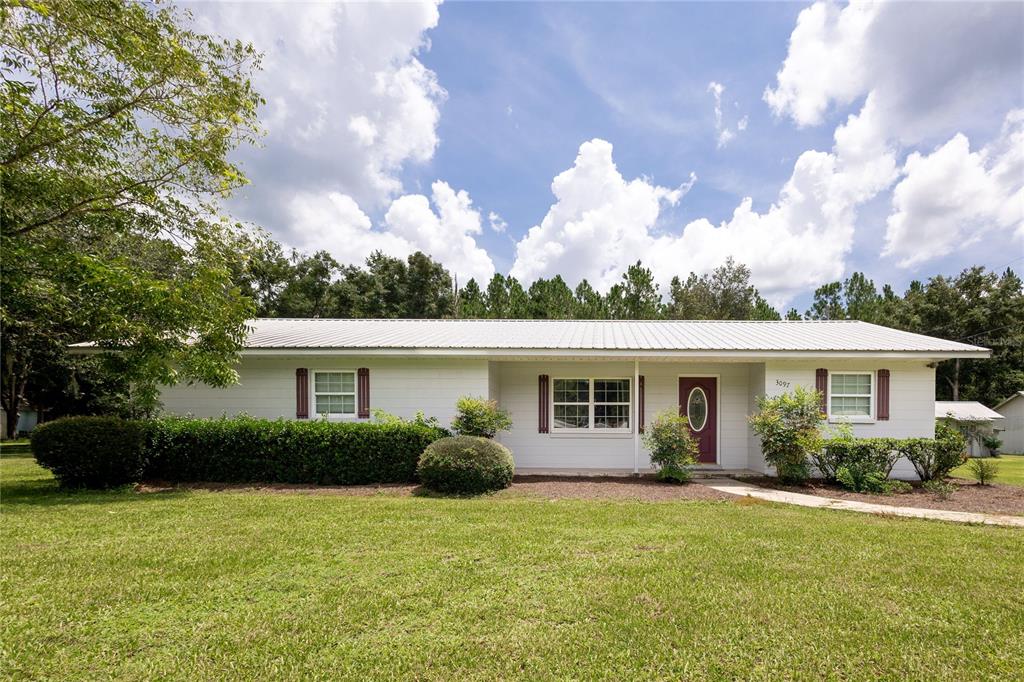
{"points": [[403, 387], [518, 382], [1013, 426]]}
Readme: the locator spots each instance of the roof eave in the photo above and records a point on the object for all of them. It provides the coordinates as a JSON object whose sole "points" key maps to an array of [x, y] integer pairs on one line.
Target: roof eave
{"points": [[933, 356]]}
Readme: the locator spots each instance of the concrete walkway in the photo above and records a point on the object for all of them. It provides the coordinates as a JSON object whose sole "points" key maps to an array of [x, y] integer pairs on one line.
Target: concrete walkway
{"points": [[733, 487]]}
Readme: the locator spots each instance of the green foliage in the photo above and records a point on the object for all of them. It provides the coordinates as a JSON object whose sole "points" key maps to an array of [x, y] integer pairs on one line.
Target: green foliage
{"points": [[789, 426], [939, 487], [480, 417], [861, 456], [984, 470], [724, 294], [466, 465], [861, 479], [898, 487], [382, 417], [976, 306], [90, 452], [992, 443], [934, 458], [673, 448], [471, 301], [119, 121], [243, 449], [636, 296]]}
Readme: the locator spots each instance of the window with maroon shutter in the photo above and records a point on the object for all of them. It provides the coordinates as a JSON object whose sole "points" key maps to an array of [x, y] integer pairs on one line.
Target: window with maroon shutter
{"points": [[542, 403], [363, 392], [882, 400], [302, 393], [821, 386], [640, 404]]}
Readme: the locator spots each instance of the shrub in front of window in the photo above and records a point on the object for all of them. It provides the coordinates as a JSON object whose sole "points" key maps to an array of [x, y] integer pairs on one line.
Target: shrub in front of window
{"points": [[480, 417], [673, 448], [466, 465], [90, 452], [382, 417], [862, 457], [789, 426], [984, 470], [934, 458], [244, 449]]}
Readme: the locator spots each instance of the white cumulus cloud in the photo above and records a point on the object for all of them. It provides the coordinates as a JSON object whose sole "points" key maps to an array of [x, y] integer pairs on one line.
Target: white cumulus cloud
{"points": [[931, 68], [334, 222], [496, 222], [954, 197], [601, 222], [924, 75], [350, 104]]}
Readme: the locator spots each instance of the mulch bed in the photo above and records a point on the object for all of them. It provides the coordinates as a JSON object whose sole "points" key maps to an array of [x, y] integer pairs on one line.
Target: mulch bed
{"points": [[645, 488], [967, 496]]}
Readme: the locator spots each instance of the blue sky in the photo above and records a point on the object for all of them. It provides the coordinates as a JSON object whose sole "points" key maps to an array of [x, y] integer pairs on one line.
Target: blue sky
{"points": [[405, 127]]}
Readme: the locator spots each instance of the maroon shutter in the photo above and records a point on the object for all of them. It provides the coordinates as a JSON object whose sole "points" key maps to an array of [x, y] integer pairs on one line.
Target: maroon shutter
{"points": [[821, 386], [363, 392], [302, 393], [882, 399], [542, 403], [640, 404]]}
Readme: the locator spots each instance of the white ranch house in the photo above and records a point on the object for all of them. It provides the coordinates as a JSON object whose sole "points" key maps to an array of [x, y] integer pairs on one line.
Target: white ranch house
{"points": [[580, 392]]}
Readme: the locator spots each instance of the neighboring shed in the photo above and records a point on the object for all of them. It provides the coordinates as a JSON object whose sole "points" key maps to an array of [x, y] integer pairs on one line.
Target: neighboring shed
{"points": [[1012, 435], [974, 419]]}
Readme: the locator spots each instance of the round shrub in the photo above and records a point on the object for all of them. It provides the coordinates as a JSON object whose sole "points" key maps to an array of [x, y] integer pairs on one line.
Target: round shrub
{"points": [[466, 465], [90, 452]]}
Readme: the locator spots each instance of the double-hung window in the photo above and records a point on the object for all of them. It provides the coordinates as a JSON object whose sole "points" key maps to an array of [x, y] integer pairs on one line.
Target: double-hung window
{"points": [[591, 404], [851, 395], [334, 393]]}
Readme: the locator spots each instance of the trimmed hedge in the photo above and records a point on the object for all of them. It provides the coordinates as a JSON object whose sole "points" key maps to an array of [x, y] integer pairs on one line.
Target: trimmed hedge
{"points": [[90, 452], [101, 452], [934, 458], [860, 456], [466, 465], [244, 449]]}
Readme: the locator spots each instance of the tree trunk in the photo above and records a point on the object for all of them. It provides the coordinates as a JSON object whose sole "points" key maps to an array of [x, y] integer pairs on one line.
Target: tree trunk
{"points": [[956, 381], [12, 421], [12, 394]]}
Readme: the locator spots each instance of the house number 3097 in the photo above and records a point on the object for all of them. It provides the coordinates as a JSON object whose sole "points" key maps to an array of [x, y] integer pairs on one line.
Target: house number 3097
{"points": [[780, 382]]}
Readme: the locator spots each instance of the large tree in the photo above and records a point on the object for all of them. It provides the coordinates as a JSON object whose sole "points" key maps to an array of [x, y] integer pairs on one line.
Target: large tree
{"points": [[723, 294], [117, 126]]}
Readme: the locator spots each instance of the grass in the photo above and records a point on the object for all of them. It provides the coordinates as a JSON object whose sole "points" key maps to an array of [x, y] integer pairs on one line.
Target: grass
{"points": [[1011, 470], [245, 585]]}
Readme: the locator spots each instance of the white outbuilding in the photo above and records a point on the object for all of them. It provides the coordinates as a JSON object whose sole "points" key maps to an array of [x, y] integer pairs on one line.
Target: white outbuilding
{"points": [[1012, 410], [975, 421]]}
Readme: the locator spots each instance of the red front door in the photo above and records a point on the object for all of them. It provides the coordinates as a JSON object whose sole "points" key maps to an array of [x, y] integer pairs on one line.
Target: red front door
{"points": [[698, 402]]}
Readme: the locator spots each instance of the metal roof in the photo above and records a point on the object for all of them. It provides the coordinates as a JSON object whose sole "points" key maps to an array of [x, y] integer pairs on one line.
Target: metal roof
{"points": [[1018, 394], [965, 410], [597, 335]]}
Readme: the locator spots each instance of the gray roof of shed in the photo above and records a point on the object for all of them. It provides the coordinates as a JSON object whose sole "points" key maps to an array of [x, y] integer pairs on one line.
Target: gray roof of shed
{"points": [[594, 335]]}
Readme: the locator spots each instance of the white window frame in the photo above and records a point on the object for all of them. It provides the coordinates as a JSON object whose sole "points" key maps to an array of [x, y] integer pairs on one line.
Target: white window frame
{"points": [[313, 393], [869, 418], [591, 428]]}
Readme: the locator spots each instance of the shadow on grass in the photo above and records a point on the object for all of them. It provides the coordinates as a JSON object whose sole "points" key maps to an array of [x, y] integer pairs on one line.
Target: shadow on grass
{"points": [[41, 490]]}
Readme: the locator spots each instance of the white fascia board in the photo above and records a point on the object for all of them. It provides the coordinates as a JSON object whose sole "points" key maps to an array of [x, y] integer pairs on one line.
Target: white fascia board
{"points": [[512, 354]]}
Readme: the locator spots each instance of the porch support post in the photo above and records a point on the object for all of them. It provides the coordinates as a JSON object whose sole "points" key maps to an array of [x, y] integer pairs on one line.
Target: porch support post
{"points": [[636, 416]]}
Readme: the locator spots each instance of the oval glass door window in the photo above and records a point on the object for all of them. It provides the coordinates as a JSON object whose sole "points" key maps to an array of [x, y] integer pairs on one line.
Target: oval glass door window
{"points": [[697, 409]]}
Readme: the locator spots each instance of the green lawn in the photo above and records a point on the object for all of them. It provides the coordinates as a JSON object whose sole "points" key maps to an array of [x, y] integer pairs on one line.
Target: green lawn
{"points": [[252, 586], [1011, 470]]}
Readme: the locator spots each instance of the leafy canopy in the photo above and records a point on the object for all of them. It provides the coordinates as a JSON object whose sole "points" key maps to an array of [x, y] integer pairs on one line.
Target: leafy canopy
{"points": [[118, 121]]}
